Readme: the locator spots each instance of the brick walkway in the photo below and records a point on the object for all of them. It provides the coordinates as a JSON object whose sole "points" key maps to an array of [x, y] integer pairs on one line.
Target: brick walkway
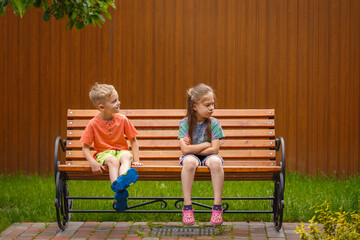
{"points": [[145, 231]]}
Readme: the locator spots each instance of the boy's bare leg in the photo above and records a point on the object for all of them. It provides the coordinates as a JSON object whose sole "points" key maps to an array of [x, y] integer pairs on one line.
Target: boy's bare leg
{"points": [[187, 177], [217, 177], [113, 164], [125, 161]]}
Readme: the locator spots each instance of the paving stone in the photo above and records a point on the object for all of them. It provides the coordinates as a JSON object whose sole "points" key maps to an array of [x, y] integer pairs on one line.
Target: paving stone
{"points": [[140, 224], [258, 237], [257, 231], [38, 225], [132, 238], [61, 238], [119, 232], [173, 224], [46, 234], [28, 235], [132, 235], [150, 238], [225, 234], [158, 223], [97, 232], [7, 237], [256, 224], [90, 224], [98, 236], [272, 232], [70, 229], [123, 224], [116, 236]]}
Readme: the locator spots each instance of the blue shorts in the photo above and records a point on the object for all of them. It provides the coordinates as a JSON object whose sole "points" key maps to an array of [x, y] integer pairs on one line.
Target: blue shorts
{"points": [[202, 159]]}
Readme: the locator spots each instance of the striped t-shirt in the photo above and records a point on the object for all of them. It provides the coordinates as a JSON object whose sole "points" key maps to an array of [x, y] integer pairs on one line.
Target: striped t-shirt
{"points": [[199, 134]]}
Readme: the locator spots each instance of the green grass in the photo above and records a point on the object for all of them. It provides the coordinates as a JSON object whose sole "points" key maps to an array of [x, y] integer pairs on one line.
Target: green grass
{"points": [[31, 198]]}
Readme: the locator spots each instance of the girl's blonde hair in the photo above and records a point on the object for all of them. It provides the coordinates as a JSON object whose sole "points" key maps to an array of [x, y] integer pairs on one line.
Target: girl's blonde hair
{"points": [[194, 96], [99, 93]]}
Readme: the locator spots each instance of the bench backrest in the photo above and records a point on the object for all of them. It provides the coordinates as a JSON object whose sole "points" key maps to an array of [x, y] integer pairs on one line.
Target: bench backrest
{"points": [[249, 135]]}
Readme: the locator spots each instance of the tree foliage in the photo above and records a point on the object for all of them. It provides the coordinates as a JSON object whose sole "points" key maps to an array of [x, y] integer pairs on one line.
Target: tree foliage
{"points": [[79, 12]]}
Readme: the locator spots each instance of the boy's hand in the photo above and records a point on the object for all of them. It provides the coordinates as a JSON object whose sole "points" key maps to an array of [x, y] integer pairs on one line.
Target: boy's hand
{"points": [[137, 163], [187, 141], [97, 168]]}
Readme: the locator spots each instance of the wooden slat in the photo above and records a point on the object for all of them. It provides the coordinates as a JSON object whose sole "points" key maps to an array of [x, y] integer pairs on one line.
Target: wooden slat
{"points": [[169, 123], [174, 143], [238, 163], [178, 113], [154, 133], [77, 154], [173, 169]]}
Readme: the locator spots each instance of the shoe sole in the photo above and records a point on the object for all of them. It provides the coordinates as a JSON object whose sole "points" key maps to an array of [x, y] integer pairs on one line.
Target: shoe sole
{"points": [[126, 180], [120, 201]]}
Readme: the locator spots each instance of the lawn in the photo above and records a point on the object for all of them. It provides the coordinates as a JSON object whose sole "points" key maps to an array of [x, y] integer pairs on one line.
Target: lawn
{"points": [[31, 198]]}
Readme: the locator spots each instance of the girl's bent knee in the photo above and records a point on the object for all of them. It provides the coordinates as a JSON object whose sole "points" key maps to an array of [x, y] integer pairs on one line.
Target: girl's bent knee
{"points": [[190, 163], [214, 163]]}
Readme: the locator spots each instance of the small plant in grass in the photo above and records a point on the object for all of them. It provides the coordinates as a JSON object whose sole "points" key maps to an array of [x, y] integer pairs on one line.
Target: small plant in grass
{"points": [[221, 229], [140, 233], [335, 224]]}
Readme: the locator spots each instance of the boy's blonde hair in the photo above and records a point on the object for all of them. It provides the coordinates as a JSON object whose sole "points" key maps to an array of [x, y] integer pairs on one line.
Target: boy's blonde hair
{"points": [[99, 93]]}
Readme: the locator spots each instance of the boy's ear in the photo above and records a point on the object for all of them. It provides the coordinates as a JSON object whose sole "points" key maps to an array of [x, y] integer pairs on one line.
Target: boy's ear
{"points": [[101, 107], [194, 107]]}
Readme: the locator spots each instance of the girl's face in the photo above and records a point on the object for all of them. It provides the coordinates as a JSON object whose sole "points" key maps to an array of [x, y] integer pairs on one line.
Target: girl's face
{"points": [[205, 108]]}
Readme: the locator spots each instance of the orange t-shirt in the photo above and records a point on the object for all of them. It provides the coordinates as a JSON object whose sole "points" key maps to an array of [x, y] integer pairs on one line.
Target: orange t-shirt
{"points": [[108, 135]]}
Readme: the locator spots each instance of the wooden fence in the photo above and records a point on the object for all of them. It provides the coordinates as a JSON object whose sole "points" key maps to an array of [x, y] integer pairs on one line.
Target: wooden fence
{"points": [[301, 57]]}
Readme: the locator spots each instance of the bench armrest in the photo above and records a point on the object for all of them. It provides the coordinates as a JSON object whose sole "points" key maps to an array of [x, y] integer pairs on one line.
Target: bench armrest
{"points": [[279, 143], [62, 143]]}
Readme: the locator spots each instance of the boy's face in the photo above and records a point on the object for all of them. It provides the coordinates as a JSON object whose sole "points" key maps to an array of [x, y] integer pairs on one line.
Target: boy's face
{"points": [[112, 104], [205, 108]]}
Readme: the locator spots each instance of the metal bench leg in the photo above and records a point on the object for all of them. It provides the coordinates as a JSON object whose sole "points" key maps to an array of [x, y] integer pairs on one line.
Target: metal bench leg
{"points": [[62, 204], [278, 203]]}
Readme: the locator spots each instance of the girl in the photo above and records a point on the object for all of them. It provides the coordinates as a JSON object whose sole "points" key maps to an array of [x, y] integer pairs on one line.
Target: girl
{"points": [[200, 135]]}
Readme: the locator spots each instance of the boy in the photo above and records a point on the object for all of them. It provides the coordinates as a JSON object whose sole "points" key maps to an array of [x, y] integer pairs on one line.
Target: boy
{"points": [[107, 131]]}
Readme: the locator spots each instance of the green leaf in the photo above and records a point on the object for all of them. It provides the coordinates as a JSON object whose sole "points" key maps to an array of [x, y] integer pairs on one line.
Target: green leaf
{"points": [[18, 7], [108, 15], [37, 3], [98, 23], [73, 16], [46, 16], [101, 17], [85, 7]]}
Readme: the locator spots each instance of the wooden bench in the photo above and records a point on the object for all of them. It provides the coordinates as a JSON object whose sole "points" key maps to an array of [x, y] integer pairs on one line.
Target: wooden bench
{"points": [[249, 150]]}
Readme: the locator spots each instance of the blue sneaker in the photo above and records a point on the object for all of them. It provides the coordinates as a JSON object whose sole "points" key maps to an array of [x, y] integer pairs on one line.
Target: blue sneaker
{"points": [[124, 181], [120, 200]]}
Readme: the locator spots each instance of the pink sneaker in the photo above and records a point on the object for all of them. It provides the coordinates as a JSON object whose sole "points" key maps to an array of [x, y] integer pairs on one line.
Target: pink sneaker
{"points": [[188, 217], [216, 217]]}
